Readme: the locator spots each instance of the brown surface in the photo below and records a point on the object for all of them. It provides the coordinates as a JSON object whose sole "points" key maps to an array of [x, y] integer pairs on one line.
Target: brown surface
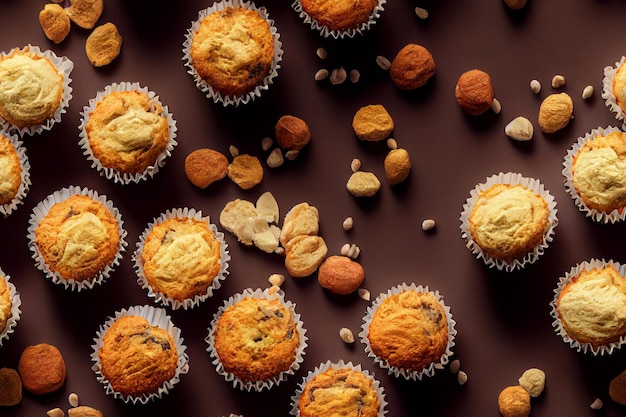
{"points": [[503, 320]]}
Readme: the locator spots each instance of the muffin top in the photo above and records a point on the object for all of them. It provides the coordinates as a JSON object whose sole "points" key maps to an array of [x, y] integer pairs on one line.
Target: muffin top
{"points": [[233, 50], [127, 131], [137, 358], [599, 172], [31, 89], [409, 330], [5, 303], [508, 221], [181, 257], [256, 338], [619, 86], [339, 392], [592, 306], [339, 14], [10, 170]]}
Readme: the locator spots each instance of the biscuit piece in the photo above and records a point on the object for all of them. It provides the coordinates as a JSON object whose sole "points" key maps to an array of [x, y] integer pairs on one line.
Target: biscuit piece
{"points": [[84, 411], [372, 123], [412, 67], [533, 380], [302, 219], [514, 401], [617, 388], [55, 22], [474, 92], [363, 184], [103, 45], [339, 14], [42, 369], [246, 171], [10, 387], [304, 254], [340, 274], [292, 133], [5, 303], [85, 13], [397, 165], [10, 172], [205, 166]]}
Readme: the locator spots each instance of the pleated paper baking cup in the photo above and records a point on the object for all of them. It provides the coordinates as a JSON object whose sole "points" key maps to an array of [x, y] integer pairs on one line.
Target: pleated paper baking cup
{"points": [[64, 66], [585, 316], [607, 91], [601, 186], [41, 210], [7, 208], [206, 88], [408, 374], [341, 365], [262, 384], [181, 246], [120, 175], [156, 317], [513, 179], [326, 31], [16, 302]]}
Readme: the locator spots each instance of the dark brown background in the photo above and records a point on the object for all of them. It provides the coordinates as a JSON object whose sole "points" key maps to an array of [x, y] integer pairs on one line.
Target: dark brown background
{"points": [[503, 319]]}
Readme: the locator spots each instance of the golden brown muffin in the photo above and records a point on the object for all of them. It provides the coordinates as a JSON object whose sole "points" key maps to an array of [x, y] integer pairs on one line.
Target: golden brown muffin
{"points": [[54, 22], [42, 369], [339, 14], [474, 92], [127, 131], [592, 306], [137, 358], [619, 86], [256, 339], [339, 392], [233, 50], [6, 303], [10, 170], [78, 237], [31, 89], [409, 330], [205, 166], [181, 258], [599, 172], [508, 221], [412, 67]]}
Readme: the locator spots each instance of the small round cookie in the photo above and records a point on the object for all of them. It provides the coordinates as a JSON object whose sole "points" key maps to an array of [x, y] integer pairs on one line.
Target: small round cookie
{"points": [[340, 274], [55, 22], [10, 387], [617, 388], [514, 401], [246, 171], [372, 123], [85, 13], [412, 67], [474, 92], [205, 166], [292, 133], [42, 369], [103, 44]]}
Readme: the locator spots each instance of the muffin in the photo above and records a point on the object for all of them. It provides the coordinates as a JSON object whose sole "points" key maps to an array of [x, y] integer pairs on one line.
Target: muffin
{"points": [[614, 88], [595, 174], [409, 331], [256, 339], [14, 173], [34, 89], [589, 306], [9, 307], [508, 221], [181, 258], [139, 354], [232, 51], [338, 389], [127, 133], [339, 18], [76, 237]]}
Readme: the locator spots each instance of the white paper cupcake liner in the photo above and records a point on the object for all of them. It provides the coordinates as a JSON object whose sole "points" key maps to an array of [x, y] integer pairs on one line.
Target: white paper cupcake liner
{"points": [[607, 92], [16, 302], [511, 179], [41, 210], [8, 208], [394, 370], [156, 317], [596, 215], [110, 173], [323, 367], [558, 325], [325, 32], [270, 382], [64, 66], [161, 298], [202, 85]]}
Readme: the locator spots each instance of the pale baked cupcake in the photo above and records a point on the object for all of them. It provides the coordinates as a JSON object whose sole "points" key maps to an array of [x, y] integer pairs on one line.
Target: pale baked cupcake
{"points": [[10, 303], [233, 51], [127, 133], [181, 258], [256, 339], [340, 389], [595, 174], [508, 221], [614, 89], [14, 173], [77, 237], [339, 18], [589, 307], [139, 355], [409, 331], [34, 89]]}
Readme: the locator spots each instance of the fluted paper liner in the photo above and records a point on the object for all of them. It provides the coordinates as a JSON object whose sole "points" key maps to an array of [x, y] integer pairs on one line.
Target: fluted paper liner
{"points": [[607, 92], [16, 302], [25, 183]]}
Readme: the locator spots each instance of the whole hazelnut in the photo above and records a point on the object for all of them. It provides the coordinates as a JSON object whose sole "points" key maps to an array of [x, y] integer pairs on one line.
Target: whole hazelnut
{"points": [[474, 92], [412, 67], [292, 133]]}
